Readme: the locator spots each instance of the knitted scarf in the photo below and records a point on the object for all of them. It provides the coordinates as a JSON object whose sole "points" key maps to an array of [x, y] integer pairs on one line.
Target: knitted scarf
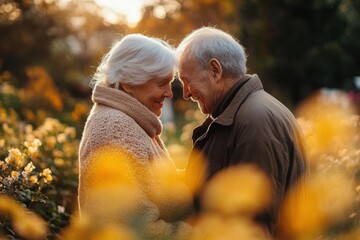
{"points": [[122, 101]]}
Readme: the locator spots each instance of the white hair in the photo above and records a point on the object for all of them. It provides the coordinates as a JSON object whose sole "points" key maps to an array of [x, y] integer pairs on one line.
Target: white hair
{"points": [[134, 60], [206, 43]]}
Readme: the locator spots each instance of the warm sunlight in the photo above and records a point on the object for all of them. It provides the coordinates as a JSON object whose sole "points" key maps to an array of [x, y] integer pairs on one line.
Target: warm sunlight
{"points": [[131, 9]]}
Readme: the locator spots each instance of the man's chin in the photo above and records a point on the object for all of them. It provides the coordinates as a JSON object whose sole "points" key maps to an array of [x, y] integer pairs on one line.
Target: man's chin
{"points": [[203, 109]]}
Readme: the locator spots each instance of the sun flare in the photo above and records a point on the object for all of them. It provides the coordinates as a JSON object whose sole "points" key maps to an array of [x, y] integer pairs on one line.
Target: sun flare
{"points": [[131, 9]]}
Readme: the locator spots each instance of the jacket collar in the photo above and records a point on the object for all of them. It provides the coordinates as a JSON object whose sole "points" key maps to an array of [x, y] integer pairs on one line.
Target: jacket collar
{"points": [[226, 118], [253, 84]]}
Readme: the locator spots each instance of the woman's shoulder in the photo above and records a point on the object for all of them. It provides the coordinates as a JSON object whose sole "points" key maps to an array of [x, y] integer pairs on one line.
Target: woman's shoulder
{"points": [[111, 123], [104, 115], [107, 126]]}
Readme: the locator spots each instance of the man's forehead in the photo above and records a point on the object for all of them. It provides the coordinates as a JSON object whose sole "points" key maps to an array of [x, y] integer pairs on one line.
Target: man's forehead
{"points": [[185, 64], [182, 74]]}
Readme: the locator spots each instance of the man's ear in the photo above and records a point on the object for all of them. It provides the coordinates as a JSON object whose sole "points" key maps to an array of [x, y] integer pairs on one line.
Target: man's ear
{"points": [[215, 69]]}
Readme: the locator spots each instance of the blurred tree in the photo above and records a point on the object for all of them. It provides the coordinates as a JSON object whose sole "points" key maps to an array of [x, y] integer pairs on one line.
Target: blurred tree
{"points": [[295, 46], [302, 45], [67, 39], [173, 19]]}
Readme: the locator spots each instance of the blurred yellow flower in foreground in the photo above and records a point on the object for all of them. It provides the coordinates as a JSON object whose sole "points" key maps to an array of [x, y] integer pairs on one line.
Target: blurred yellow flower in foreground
{"points": [[179, 154], [84, 228], [108, 185], [170, 190], [26, 224], [325, 125], [240, 189], [216, 227], [113, 232], [195, 175], [320, 201]]}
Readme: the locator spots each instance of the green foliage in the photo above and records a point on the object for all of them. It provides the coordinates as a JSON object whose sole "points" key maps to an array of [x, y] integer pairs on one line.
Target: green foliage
{"points": [[302, 45], [39, 168]]}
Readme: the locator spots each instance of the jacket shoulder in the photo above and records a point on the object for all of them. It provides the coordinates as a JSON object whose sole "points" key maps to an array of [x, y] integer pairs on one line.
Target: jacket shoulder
{"points": [[262, 115]]}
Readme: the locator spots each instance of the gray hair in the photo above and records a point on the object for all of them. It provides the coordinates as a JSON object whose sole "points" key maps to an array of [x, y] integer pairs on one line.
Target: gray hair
{"points": [[134, 60], [208, 42]]}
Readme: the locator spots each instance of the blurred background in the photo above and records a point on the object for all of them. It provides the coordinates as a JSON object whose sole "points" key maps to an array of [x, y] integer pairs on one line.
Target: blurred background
{"points": [[49, 50], [296, 47]]}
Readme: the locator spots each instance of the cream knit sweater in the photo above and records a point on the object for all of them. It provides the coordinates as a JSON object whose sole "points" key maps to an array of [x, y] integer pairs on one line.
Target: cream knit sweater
{"points": [[120, 123]]}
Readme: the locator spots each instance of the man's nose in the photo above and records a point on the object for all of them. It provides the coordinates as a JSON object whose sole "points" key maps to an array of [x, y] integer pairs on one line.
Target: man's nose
{"points": [[186, 92]]}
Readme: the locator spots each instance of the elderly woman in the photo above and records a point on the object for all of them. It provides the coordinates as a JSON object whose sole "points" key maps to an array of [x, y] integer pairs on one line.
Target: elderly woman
{"points": [[118, 183]]}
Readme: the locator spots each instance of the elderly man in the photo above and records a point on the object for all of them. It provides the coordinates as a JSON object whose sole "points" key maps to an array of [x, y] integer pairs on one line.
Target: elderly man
{"points": [[245, 123]]}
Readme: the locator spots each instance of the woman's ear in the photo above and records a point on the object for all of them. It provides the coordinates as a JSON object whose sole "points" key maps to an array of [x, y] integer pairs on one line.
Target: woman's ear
{"points": [[215, 69], [127, 88]]}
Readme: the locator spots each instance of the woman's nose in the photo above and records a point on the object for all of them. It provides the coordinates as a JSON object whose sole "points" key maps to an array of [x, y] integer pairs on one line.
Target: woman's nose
{"points": [[168, 93]]}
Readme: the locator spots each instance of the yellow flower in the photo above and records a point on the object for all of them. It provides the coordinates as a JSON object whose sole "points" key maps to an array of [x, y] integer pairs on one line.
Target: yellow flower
{"points": [[50, 142], [2, 143], [114, 232], [3, 115], [110, 184], [46, 171], [41, 89], [7, 89], [170, 127], [217, 227], [251, 193], [61, 138], [29, 167], [33, 146], [30, 115], [179, 154], [70, 131], [33, 179], [327, 125], [321, 200], [48, 178], [14, 174], [59, 162], [29, 225], [7, 129], [46, 174], [195, 176], [14, 156], [28, 129], [57, 153], [3, 165], [79, 111]]}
